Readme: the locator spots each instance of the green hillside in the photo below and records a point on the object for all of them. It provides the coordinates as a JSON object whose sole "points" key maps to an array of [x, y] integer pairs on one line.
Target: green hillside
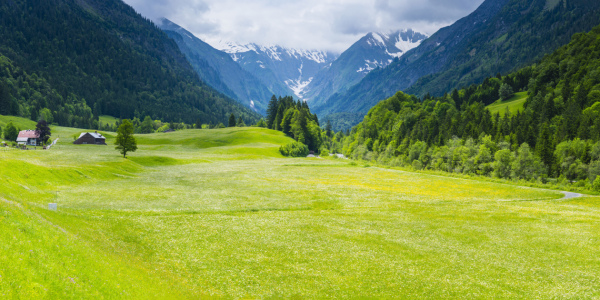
{"points": [[219, 213], [552, 133], [514, 104], [83, 59]]}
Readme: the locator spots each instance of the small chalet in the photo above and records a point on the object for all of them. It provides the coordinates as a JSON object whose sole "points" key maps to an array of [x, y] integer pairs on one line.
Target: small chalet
{"points": [[29, 138], [88, 138]]}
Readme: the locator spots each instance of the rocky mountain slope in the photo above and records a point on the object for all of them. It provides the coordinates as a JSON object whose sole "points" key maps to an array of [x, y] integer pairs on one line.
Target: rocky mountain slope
{"points": [[218, 69], [375, 50], [286, 71]]}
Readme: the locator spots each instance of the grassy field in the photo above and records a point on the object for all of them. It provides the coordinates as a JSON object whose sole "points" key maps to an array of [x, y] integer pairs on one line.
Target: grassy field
{"points": [[514, 104], [219, 213], [108, 120]]}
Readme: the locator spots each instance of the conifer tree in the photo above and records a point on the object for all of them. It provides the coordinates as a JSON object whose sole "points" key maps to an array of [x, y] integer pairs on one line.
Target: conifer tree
{"points": [[240, 122], [272, 111], [232, 122], [4, 100]]}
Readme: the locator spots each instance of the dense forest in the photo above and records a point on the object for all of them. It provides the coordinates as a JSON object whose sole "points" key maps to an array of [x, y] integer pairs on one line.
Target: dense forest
{"points": [[556, 135], [82, 59], [295, 120]]}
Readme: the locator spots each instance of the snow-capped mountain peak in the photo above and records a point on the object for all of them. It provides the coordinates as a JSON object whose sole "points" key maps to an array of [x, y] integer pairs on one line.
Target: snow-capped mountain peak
{"points": [[396, 43], [294, 67], [274, 52], [384, 47]]}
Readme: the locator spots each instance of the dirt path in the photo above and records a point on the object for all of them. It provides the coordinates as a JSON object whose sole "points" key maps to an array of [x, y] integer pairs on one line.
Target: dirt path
{"points": [[569, 195]]}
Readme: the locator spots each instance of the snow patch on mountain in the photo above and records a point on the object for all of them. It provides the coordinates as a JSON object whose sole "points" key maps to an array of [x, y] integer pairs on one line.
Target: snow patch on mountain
{"points": [[392, 45], [404, 45], [298, 86]]}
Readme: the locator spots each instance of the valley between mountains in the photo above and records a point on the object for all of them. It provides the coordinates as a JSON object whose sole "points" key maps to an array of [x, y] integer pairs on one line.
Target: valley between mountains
{"points": [[144, 159]]}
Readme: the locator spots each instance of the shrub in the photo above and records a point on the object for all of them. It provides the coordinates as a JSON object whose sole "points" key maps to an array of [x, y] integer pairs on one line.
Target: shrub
{"points": [[417, 165], [324, 153], [294, 149], [505, 91], [596, 185]]}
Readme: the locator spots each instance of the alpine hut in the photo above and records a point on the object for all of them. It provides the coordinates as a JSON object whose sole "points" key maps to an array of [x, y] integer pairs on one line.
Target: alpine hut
{"points": [[88, 138]]}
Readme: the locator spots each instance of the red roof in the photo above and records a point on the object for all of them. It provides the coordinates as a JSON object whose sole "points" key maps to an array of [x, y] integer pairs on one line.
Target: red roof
{"points": [[30, 134]]}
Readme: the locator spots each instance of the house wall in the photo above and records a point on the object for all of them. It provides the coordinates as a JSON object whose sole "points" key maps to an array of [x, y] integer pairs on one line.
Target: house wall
{"points": [[89, 140]]}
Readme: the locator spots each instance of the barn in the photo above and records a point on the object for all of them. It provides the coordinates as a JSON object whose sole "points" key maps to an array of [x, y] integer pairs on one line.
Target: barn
{"points": [[28, 138], [88, 138]]}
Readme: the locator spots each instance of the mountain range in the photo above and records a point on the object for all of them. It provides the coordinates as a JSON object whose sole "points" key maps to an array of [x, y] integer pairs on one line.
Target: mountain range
{"points": [[251, 73], [288, 71]]}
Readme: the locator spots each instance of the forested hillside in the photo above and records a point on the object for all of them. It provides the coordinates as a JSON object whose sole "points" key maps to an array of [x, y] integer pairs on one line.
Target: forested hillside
{"points": [[557, 135], [81, 59], [499, 37]]}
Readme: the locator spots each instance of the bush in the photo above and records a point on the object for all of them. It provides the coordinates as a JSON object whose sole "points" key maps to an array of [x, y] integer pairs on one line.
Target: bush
{"points": [[294, 149], [324, 153], [505, 91], [596, 185], [417, 165]]}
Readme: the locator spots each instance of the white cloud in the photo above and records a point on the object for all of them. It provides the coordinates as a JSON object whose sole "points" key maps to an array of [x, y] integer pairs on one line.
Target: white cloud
{"points": [[310, 24]]}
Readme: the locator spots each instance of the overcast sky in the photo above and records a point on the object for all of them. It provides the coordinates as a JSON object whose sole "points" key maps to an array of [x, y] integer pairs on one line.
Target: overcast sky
{"points": [[332, 25]]}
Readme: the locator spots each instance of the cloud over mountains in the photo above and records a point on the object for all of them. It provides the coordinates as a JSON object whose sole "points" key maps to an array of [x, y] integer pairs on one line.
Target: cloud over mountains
{"points": [[310, 24]]}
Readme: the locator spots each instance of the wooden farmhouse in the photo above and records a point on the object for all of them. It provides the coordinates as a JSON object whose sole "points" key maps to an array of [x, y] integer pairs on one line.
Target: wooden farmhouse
{"points": [[28, 138], [88, 138]]}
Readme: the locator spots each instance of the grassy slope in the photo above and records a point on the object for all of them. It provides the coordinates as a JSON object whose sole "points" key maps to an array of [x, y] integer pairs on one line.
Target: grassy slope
{"points": [[108, 120], [219, 212], [514, 104]]}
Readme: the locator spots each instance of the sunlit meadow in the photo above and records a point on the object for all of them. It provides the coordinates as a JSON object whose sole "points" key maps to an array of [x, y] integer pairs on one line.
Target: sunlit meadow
{"points": [[202, 213]]}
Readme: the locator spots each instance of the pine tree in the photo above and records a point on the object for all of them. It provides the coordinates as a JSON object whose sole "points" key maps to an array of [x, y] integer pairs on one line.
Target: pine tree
{"points": [[272, 112], [240, 122], [4, 100], [545, 147], [232, 122], [125, 141], [456, 98]]}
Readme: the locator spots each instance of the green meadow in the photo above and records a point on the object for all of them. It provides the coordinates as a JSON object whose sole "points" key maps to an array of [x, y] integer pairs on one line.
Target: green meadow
{"points": [[514, 104], [220, 213]]}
